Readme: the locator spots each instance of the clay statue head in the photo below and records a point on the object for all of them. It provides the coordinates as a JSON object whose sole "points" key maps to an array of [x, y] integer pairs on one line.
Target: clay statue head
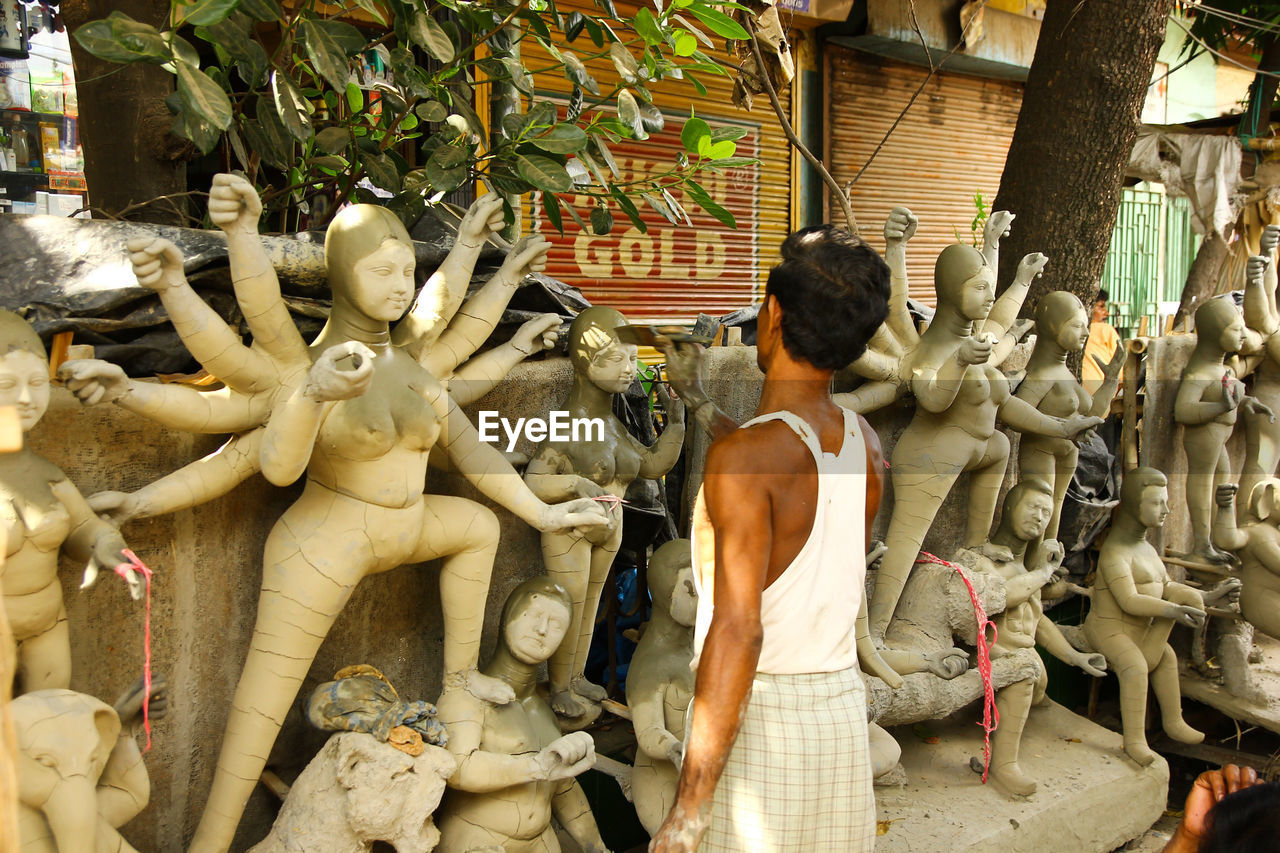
{"points": [[370, 261], [964, 280], [1060, 317], [596, 352], [535, 619], [671, 582], [1027, 509], [1219, 322], [1264, 499], [24, 370], [1144, 496]]}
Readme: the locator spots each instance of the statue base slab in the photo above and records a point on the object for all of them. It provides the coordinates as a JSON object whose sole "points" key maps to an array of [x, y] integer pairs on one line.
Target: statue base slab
{"points": [[1092, 798], [1260, 709]]}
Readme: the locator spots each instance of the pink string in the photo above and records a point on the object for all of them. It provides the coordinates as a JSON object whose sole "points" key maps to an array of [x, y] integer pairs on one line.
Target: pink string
{"points": [[610, 499], [990, 714], [123, 571]]}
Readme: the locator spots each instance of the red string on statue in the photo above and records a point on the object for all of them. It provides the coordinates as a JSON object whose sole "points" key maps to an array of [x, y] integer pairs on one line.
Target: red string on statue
{"points": [[123, 571], [990, 715]]}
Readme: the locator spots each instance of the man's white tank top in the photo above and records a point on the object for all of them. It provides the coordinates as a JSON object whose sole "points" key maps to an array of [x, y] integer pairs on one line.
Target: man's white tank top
{"points": [[809, 612]]}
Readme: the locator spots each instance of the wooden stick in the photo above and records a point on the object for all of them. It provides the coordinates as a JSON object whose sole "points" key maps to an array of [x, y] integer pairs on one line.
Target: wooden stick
{"points": [[1203, 568], [274, 784], [1129, 422], [616, 708]]}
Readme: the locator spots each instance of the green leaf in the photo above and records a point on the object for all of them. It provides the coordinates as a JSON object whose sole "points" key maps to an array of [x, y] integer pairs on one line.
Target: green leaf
{"points": [[293, 109], [731, 133], [697, 84], [573, 25], [535, 22], [562, 139], [540, 115], [204, 135], [686, 43], [203, 97], [431, 37], [372, 8], [355, 97], [544, 173], [326, 55], [628, 68], [98, 39], [651, 117], [431, 111], [381, 171], [348, 37], [647, 27], [594, 32], [629, 208], [722, 164], [551, 205], [519, 76], [721, 150], [333, 139], [141, 41], [607, 155], [577, 73], [695, 130], [448, 157], [464, 109], [719, 23], [696, 30], [505, 182], [629, 114], [601, 221], [262, 10], [259, 142], [703, 200], [330, 162], [660, 207], [577, 217], [446, 180], [206, 13], [512, 124]]}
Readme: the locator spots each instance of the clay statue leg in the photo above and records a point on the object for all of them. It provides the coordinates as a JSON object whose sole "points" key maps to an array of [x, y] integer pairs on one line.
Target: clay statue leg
{"points": [[1164, 683], [1130, 666], [1207, 468], [44, 661], [307, 580], [567, 558], [1014, 704], [985, 480], [601, 561]]}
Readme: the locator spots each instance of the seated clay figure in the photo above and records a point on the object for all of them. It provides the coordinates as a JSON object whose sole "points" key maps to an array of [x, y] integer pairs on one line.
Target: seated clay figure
{"points": [[594, 468], [1135, 606], [1209, 395], [1027, 509], [515, 769], [1257, 544], [80, 774], [44, 514], [660, 683]]}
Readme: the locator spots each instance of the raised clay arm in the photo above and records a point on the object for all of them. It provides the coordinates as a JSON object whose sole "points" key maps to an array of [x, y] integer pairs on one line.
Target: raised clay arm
{"points": [[868, 397], [1007, 306], [477, 318], [1226, 535], [898, 231], [1024, 417], [445, 289], [478, 375], [1106, 392], [936, 387], [1259, 295], [661, 457], [997, 226]]}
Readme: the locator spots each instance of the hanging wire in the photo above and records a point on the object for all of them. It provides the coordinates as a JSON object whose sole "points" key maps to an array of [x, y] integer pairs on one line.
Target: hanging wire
{"points": [[1234, 17], [1222, 56]]}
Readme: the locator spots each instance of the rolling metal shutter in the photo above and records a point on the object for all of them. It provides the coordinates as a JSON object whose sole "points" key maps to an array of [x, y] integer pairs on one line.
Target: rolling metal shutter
{"points": [[674, 272], [950, 146]]}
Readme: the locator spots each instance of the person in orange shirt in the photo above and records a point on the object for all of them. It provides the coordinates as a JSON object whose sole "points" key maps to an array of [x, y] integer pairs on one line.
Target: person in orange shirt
{"points": [[1103, 339]]}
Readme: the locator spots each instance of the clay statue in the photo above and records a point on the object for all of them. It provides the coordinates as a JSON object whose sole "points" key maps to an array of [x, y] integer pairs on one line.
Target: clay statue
{"points": [[1262, 433], [1257, 544], [43, 513], [660, 683], [1208, 396], [515, 769], [359, 411], [357, 791], [80, 774], [1028, 508], [598, 468], [1062, 327], [959, 396], [1135, 606]]}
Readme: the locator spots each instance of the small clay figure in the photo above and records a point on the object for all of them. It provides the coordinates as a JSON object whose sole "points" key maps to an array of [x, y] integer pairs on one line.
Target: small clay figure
{"points": [[660, 683], [1135, 606], [43, 513], [599, 468], [80, 774], [1062, 327], [515, 769], [1257, 544], [1208, 396], [1028, 507]]}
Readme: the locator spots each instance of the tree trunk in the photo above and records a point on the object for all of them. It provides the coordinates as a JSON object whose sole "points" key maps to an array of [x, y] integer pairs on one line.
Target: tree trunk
{"points": [[129, 154], [1202, 277], [1076, 129]]}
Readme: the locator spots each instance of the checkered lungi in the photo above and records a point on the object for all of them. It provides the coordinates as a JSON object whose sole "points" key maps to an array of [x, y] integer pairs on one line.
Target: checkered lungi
{"points": [[799, 776]]}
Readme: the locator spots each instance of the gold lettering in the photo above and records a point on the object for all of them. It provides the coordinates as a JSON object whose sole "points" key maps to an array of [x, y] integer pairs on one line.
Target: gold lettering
{"points": [[592, 256]]}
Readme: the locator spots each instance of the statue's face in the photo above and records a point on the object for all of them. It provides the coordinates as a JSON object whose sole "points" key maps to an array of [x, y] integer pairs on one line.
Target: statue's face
{"points": [[978, 294], [382, 282], [534, 632], [1073, 334], [1030, 516], [24, 384], [1154, 508], [1232, 337], [684, 599], [614, 367]]}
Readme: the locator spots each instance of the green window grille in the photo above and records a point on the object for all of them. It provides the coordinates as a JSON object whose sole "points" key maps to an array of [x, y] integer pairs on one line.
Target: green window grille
{"points": [[1152, 247]]}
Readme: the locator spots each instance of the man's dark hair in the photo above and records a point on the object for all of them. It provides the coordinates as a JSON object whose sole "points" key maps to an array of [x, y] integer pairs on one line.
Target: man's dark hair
{"points": [[1102, 296], [1247, 821], [834, 293]]}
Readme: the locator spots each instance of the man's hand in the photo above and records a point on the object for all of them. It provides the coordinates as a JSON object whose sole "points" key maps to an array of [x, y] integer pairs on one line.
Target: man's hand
{"points": [[686, 364], [900, 226], [1030, 268], [1210, 787], [527, 256], [341, 372], [999, 224], [234, 204], [976, 349], [565, 758], [536, 335], [94, 381], [157, 263], [681, 832], [483, 217]]}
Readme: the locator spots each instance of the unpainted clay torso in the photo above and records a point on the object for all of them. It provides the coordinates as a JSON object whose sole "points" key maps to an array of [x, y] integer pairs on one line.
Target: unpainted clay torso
{"points": [[612, 463], [1062, 398], [1212, 375], [1149, 578], [37, 523]]}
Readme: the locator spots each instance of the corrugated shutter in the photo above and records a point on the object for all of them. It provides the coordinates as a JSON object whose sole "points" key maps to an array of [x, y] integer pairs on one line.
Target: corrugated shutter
{"points": [[950, 146], [675, 272]]}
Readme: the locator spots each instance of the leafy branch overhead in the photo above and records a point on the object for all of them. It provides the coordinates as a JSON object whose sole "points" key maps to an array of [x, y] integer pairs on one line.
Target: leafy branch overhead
{"points": [[288, 93]]}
